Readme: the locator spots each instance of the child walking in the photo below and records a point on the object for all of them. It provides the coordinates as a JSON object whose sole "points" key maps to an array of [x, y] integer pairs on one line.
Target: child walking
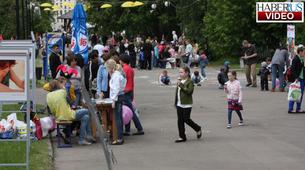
{"points": [[183, 103], [234, 96]]}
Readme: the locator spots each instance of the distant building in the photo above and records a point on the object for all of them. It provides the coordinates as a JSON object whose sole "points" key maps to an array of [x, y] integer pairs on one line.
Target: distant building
{"points": [[58, 24]]}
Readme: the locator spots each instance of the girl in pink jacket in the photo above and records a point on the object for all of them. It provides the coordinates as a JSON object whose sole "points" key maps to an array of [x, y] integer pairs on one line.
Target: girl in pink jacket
{"points": [[234, 96]]}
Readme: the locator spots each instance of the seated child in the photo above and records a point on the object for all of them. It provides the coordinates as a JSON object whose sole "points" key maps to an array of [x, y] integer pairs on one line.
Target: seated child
{"points": [[222, 78], [64, 72], [196, 78], [164, 78], [226, 66]]}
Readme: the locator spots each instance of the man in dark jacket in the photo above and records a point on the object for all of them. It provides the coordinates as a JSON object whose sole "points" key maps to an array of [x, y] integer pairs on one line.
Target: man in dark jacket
{"points": [[54, 60], [147, 49], [250, 59], [297, 68]]}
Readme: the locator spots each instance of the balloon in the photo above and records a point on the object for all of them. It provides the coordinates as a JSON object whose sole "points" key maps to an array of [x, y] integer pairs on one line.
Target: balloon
{"points": [[277, 83], [126, 114]]}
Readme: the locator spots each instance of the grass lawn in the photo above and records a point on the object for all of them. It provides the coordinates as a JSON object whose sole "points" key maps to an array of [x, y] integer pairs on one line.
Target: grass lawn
{"points": [[14, 152]]}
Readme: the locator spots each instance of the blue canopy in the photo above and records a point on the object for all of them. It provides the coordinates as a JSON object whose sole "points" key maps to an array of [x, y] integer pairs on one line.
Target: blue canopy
{"points": [[79, 42]]}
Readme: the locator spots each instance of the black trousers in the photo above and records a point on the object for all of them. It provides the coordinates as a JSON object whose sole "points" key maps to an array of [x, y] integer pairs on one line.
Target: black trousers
{"points": [[184, 116], [38, 73], [264, 83], [133, 60], [148, 62]]}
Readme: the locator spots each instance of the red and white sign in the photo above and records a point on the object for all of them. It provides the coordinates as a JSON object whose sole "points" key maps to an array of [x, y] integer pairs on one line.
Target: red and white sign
{"points": [[279, 12], [290, 31]]}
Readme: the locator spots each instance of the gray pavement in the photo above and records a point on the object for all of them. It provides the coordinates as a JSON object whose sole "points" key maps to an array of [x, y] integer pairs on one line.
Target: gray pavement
{"points": [[270, 140]]}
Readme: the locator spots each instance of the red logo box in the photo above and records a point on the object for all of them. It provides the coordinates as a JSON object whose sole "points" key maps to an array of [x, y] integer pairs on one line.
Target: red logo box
{"points": [[279, 12]]}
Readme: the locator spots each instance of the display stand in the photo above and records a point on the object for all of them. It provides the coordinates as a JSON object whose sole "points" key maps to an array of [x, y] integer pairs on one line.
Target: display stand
{"points": [[15, 97], [25, 45]]}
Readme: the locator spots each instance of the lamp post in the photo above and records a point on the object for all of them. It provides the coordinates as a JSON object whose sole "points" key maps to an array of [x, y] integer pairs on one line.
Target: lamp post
{"points": [[31, 9]]}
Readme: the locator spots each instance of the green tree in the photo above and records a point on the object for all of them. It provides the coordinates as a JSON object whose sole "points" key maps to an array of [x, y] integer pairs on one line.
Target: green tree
{"points": [[138, 20], [42, 20], [228, 22], [8, 21], [190, 16]]}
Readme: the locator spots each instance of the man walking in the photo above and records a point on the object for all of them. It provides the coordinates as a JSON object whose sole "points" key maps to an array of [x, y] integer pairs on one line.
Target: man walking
{"points": [[250, 60]]}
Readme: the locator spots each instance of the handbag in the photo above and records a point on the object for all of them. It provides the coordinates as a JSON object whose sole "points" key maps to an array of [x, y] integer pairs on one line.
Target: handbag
{"points": [[295, 93], [185, 58]]}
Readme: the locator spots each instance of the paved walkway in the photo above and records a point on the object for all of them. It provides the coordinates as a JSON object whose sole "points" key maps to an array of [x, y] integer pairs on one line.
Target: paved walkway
{"points": [[270, 140]]}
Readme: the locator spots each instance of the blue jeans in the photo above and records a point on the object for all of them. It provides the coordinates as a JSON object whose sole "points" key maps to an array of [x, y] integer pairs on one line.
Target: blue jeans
{"points": [[230, 115], [85, 129], [155, 61], [78, 95], [136, 121], [277, 70], [202, 68], [291, 103], [118, 116]]}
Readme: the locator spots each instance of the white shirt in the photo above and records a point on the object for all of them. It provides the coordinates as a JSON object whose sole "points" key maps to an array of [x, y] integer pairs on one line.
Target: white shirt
{"points": [[99, 48], [117, 85], [179, 100], [189, 50], [175, 37]]}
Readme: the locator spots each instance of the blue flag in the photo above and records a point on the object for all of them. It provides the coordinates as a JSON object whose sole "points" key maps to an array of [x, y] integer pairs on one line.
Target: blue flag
{"points": [[79, 42]]}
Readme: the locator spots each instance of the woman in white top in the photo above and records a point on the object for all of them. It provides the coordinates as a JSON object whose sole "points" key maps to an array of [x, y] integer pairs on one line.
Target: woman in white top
{"points": [[117, 85]]}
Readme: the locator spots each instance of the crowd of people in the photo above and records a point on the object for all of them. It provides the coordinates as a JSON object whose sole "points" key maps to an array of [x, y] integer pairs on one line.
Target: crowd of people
{"points": [[110, 74], [284, 69], [106, 76], [152, 53]]}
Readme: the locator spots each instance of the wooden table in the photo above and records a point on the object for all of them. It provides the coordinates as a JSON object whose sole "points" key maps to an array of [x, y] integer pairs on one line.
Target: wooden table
{"points": [[108, 119]]}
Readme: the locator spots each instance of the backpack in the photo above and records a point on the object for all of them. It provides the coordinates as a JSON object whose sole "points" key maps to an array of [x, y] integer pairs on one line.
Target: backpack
{"points": [[289, 75]]}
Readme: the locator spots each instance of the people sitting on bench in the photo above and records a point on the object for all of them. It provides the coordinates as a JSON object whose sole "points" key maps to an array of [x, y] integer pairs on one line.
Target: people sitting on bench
{"points": [[58, 104]]}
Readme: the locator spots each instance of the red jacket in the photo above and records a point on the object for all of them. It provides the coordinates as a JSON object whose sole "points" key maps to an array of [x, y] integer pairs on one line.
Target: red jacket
{"points": [[129, 73]]}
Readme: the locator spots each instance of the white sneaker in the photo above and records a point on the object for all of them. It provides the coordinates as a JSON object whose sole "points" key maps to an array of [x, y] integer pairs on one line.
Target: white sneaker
{"points": [[84, 142], [91, 139], [241, 124], [229, 126]]}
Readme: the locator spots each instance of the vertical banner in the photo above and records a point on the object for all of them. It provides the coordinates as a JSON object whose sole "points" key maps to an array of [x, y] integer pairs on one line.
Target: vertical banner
{"points": [[291, 40], [79, 41], [52, 39]]}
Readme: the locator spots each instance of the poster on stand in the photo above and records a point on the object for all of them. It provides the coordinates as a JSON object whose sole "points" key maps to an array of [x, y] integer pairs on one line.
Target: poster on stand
{"points": [[13, 75], [23, 44]]}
